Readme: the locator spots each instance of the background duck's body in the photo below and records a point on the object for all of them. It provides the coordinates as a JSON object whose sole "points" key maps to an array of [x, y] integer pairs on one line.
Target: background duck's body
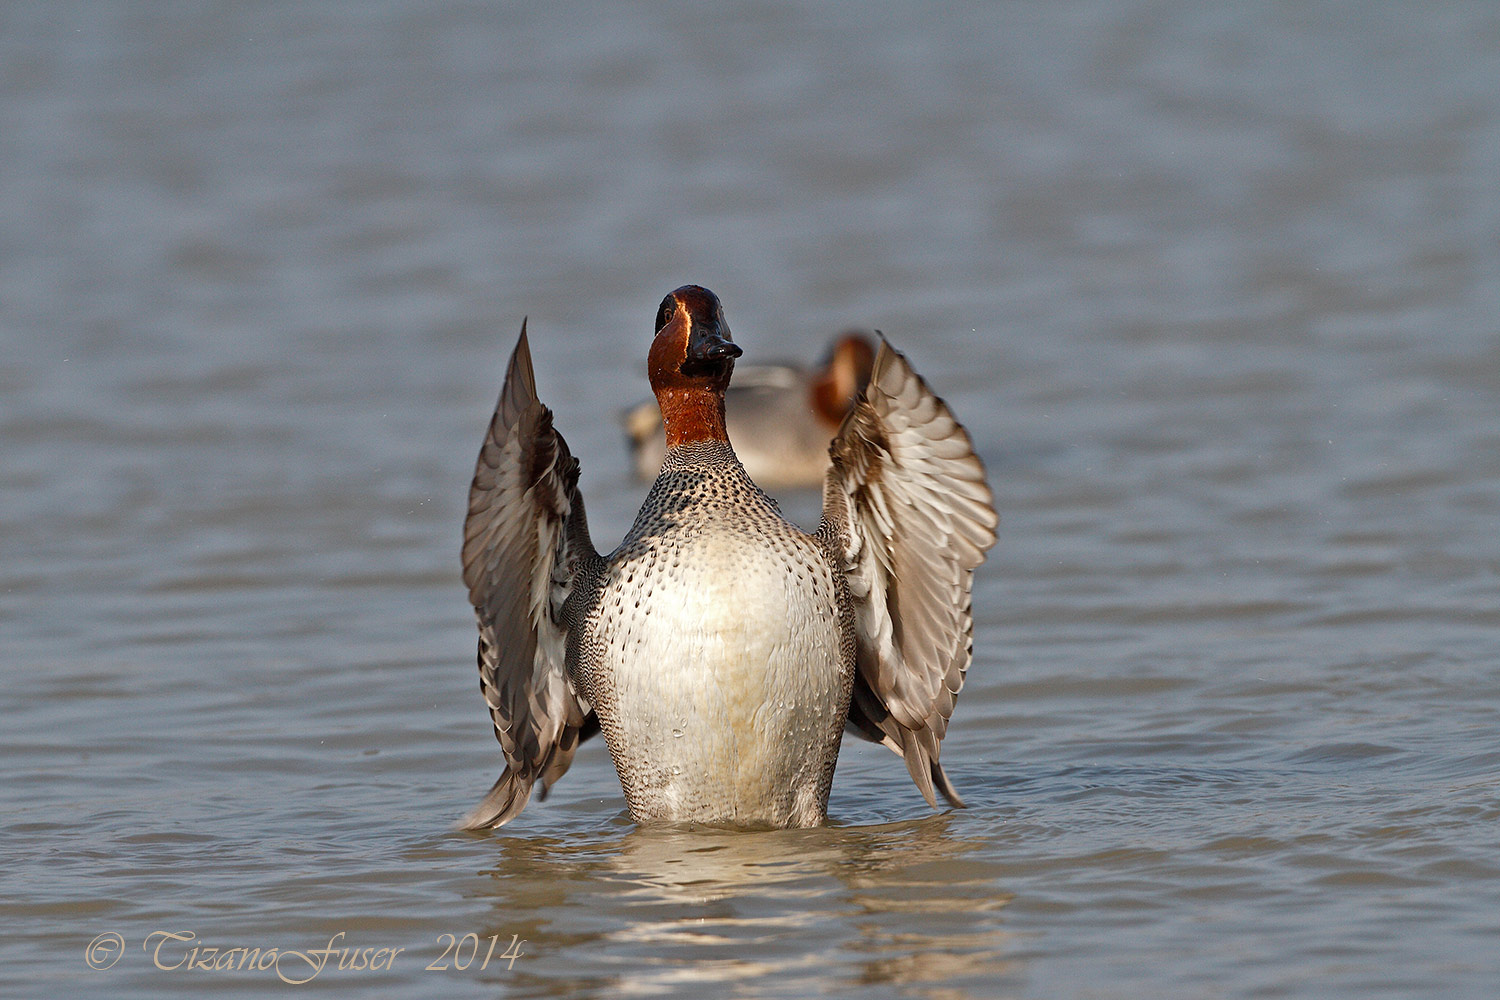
{"points": [[779, 417]]}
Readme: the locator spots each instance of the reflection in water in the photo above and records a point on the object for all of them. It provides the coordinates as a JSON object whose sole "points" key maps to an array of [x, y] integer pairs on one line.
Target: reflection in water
{"points": [[898, 904], [926, 911]]}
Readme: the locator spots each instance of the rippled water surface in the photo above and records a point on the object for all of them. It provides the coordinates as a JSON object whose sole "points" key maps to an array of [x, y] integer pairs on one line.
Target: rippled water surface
{"points": [[1215, 290]]}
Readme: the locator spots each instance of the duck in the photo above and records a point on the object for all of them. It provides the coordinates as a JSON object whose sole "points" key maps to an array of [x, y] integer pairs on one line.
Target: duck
{"points": [[721, 650], [779, 417]]}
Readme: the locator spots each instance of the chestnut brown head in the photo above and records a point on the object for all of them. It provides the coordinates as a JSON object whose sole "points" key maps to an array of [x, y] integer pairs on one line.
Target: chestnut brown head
{"points": [[690, 363], [693, 347]]}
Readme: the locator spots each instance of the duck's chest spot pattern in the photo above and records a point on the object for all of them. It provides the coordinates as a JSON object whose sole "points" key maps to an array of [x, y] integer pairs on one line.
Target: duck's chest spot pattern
{"points": [[720, 672]]}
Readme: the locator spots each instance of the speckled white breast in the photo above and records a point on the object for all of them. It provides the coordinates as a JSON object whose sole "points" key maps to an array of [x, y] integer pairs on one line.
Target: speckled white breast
{"points": [[719, 680]]}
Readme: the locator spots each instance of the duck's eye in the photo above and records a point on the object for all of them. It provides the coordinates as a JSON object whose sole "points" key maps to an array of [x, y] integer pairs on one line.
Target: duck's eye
{"points": [[666, 312]]}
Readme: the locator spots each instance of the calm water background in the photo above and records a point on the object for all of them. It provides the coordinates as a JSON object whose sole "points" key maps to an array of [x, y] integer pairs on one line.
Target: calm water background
{"points": [[1215, 290]]}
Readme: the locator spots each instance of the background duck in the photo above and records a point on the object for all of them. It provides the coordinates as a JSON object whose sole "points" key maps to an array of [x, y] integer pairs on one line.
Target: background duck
{"points": [[780, 417]]}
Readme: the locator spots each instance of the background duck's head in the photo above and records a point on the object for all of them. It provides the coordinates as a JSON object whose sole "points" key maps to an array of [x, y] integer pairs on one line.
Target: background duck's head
{"points": [[846, 372]]}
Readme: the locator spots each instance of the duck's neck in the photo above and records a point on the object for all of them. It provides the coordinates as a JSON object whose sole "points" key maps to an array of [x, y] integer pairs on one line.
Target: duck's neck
{"points": [[692, 414]]}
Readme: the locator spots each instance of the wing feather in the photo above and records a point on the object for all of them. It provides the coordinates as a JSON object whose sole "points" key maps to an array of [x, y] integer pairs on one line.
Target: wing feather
{"points": [[906, 504], [525, 539]]}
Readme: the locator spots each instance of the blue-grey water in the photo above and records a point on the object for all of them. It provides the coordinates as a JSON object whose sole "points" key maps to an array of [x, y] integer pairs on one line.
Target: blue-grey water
{"points": [[1215, 287]]}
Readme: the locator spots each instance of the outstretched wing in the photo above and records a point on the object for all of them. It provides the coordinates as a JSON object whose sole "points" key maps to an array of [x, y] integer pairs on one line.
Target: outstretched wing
{"points": [[525, 538], [906, 505]]}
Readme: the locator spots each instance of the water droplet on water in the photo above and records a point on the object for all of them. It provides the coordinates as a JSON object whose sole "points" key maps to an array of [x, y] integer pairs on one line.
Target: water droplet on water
{"points": [[677, 734]]}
